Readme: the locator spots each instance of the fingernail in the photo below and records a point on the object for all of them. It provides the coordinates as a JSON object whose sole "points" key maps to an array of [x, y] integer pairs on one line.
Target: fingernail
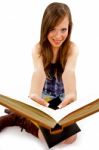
{"points": [[59, 106], [47, 105]]}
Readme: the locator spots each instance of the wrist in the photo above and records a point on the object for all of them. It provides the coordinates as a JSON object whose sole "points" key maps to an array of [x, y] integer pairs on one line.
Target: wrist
{"points": [[38, 99], [33, 95], [70, 97]]}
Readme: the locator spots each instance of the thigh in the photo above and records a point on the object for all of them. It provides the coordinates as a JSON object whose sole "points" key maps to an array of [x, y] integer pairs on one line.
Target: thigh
{"points": [[70, 140]]}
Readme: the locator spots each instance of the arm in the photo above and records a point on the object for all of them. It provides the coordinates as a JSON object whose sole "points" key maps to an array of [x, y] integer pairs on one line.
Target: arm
{"points": [[68, 77], [38, 78]]}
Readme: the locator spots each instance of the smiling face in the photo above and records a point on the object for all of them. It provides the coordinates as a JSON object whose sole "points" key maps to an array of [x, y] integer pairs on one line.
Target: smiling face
{"points": [[58, 34]]}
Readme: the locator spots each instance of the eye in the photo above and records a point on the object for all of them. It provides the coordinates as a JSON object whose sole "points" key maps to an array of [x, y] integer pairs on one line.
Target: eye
{"points": [[50, 30], [64, 29]]}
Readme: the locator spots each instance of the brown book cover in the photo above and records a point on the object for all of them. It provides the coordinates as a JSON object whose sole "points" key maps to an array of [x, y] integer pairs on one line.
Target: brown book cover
{"points": [[44, 119], [54, 131], [54, 137], [57, 134]]}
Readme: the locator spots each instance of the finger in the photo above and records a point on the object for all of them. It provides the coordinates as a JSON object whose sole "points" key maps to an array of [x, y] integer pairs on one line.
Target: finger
{"points": [[60, 106]]}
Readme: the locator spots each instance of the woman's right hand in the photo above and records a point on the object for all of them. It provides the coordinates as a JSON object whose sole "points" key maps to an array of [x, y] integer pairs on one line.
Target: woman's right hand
{"points": [[39, 100]]}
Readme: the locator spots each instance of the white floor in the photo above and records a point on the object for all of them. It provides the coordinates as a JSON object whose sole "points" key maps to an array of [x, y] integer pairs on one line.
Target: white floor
{"points": [[12, 138], [19, 30]]}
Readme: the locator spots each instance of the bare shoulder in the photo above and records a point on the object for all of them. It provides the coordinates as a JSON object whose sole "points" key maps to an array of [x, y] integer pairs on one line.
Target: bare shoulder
{"points": [[37, 59], [71, 57], [73, 49], [36, 50]]}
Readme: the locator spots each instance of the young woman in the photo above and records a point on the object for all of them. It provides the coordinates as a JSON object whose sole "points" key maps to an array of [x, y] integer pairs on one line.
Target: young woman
{"points": [[54, 59]]}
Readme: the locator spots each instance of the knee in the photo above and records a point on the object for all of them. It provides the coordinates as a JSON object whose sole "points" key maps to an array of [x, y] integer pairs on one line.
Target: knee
{"points": [[70, 140], [40, 136]]}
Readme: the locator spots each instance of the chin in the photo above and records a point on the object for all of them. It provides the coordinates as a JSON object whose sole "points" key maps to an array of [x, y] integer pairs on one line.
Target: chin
{"points": [[56, 46]]}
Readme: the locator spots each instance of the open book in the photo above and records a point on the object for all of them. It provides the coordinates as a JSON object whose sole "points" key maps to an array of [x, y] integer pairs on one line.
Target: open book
{"points": [[49, 118]]}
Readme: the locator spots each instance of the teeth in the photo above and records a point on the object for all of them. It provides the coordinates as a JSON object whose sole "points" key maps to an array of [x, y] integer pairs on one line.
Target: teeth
{"points": [[57, 40]]}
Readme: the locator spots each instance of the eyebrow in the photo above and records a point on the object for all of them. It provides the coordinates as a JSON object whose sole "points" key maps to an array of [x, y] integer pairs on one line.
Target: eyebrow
{"points": [[60, 28], [64, 28]]}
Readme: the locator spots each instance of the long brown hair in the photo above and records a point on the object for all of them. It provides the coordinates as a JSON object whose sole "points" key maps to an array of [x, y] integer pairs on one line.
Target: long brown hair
{"points": [[53, 15]]}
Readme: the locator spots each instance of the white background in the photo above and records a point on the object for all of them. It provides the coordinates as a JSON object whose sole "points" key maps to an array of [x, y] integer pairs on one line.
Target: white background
{"points": [[20, 22]]}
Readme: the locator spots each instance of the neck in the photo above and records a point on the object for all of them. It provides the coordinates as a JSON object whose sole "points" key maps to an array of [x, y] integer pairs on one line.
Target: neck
{"points": [[54, 57], [55, 49], [55, 53]]}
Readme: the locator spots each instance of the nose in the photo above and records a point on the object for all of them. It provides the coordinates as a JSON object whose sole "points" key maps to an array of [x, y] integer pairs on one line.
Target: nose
{"points": [[57, 33]]}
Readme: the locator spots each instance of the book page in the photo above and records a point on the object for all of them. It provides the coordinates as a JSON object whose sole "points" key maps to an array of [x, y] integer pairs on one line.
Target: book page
{"points": [[70, 108], [59, 113], [45, 109]]}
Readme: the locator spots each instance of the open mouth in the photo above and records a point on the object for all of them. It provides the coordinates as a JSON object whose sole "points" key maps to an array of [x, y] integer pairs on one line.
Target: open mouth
{"points": [[57, 42]]}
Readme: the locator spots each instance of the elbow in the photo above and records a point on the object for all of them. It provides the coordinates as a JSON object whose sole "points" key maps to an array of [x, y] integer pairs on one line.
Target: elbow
{"points": [[37, 82], [40, 74], [74, 95], [68, 73]]}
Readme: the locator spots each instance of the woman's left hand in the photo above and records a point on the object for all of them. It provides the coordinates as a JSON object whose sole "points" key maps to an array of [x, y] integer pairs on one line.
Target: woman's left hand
{"points": [[67, 100]]}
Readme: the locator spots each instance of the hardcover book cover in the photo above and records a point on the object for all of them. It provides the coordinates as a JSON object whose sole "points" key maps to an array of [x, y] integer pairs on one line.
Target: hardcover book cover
{"points": [[54, 138], [55, 124]]}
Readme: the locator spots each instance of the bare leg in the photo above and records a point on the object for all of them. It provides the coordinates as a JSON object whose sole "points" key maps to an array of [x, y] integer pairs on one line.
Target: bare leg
{"points": [[70, 140], [40, 136]]}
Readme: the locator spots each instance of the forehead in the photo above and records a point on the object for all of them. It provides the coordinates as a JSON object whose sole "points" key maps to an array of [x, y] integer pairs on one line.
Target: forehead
{"points": [[63, 23]]}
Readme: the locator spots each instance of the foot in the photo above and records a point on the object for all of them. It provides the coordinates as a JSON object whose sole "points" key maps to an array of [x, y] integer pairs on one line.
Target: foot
{"points": [[70, 140], [8, 111], [7, 120]]}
